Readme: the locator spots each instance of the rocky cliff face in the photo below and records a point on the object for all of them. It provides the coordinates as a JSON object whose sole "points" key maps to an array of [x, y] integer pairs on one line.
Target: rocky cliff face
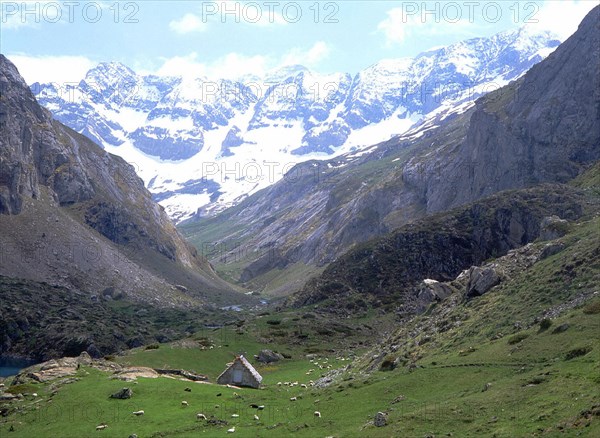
{"points": [[544, 127], [77, 216]]}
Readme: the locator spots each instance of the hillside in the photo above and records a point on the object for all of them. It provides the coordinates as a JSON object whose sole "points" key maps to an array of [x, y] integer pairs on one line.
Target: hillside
{"points": [[542, 128], [521, 360], [76, 217], [385, 271]]}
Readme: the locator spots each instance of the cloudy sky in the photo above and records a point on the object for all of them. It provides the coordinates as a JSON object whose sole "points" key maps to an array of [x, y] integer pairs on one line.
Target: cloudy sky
{"points": [[52, 41]]}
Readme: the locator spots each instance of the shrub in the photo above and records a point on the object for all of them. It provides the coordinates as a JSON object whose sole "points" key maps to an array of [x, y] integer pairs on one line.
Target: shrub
{"points": [[152, 346], [545, 324], [389, 363], [519, 337], [592, 308], [577, 352], [274, 321]]}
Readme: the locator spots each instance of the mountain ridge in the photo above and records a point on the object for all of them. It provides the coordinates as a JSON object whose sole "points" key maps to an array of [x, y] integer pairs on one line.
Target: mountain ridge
{"points": [[181, 130]]}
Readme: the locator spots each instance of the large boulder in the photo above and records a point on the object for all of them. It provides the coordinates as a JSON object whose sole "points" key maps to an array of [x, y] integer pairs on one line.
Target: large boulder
{"points": [[430, 291], [551, 249], [553, 227], [268, 356], [481, 280]]}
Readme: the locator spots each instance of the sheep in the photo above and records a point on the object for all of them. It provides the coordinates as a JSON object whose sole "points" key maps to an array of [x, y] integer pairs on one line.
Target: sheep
{"points": [[261, 407], [138, 413], [234, 415], [278, 383], [200, 417], [184, 403], [34, 394], [101, 427], [231, 430], [303, 386], [317, 414], [293, 399], [256, 417]]}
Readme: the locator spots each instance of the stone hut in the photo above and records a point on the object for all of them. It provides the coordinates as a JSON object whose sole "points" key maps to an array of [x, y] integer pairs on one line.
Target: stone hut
{"points": [[240, 373]]}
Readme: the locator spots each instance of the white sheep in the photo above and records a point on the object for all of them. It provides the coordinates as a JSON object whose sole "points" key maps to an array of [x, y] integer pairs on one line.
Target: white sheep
{"points": [[34, 394], [138, 413], [303, 386], [278, 383], [234, 415], [317, 414], [231, 430], [184, 403], [293, 399], [101, 427], [256, 417], [200, 417], [261, 407]]}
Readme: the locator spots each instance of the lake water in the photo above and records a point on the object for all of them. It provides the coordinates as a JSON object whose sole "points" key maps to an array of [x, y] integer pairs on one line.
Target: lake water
{"points": [[10, 366]]}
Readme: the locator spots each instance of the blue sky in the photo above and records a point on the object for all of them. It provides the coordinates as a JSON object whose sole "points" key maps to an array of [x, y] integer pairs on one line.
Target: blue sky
{"points": [[59, 41]]}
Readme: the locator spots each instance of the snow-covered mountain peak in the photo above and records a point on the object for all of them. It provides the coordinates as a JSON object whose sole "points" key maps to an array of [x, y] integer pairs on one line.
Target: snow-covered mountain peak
{"points": [[194, 140]]}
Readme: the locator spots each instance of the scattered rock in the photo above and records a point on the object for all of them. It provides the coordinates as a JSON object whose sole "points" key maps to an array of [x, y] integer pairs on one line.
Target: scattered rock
{"points": [[380, 419], [123, 394], [398, 399]]}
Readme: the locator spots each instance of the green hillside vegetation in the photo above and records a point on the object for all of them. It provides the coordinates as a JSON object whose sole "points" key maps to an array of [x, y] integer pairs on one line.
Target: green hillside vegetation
{"points": [[491, 366]]}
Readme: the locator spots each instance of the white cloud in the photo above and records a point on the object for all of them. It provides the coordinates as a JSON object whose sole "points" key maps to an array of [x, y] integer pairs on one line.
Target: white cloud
{"points": [[309, 58], [187, 24], [401, 24], [230, 66], [57, 69], [560, 16], [236, 65]]}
